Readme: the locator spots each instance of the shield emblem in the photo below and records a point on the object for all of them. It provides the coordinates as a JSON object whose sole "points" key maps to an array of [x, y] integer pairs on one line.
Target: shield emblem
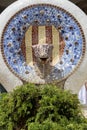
{"points": [[42, 35]]}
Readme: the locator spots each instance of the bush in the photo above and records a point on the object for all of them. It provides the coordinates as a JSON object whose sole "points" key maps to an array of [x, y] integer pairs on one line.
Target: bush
{"points": [[44, 107]]}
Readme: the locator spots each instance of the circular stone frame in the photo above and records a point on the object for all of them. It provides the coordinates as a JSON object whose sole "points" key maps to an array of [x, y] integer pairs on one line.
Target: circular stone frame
{"points": [[59, 4], [74, 28]]}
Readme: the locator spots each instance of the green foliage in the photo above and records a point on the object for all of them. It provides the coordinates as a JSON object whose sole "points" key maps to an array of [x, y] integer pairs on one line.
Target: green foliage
{"points": [[18, 107], [56, 104], [31, 107]]}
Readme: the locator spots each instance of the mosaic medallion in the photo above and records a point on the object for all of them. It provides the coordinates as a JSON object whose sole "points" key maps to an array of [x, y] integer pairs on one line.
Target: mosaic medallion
{"points": [[43, 44]]}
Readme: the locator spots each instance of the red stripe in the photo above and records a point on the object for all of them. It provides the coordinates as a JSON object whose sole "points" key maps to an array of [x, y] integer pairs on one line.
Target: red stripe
{"points": [[49, 34], [34, 35], [23, 48]]}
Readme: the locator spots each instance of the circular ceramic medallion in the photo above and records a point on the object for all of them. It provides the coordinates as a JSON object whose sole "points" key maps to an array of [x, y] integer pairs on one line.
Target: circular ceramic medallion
{"points": [[36, 25]]}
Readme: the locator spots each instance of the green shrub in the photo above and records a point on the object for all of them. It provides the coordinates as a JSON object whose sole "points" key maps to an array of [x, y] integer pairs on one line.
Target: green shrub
{"points": [[56, 103], [18, 107], [44, 107]]}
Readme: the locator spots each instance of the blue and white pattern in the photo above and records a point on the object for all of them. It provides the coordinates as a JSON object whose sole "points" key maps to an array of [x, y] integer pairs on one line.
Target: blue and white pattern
{"points": [[14, 34]]}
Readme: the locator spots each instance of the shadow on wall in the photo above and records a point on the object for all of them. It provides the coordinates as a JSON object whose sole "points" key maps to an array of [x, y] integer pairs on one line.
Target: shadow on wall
{"points": [[5, 3], [81, 4], [2, 89]]}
